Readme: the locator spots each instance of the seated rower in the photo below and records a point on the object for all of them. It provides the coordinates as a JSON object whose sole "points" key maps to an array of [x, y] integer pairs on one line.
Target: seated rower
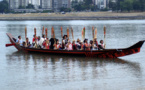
{"points": [[96, 42], [101, 46], [34, 41], [24, 44], [19, 41], [65, 39], [56, 45], [86, 45], [91, 44], [69, 46], [74, 46], [78, 44], [46, 44], [82, 46], [52, 42], [95, 45], [38, 42], [28, 43], [64, 42], [42, 40]]}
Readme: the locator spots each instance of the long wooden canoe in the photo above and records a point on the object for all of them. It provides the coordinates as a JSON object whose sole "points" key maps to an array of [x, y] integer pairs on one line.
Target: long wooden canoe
{"points": [[107, 53]]}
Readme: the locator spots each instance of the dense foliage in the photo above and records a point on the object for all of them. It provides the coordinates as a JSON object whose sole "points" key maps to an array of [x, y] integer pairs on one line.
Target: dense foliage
{"points": [[4, 6], [127, 5], [81, 6]]}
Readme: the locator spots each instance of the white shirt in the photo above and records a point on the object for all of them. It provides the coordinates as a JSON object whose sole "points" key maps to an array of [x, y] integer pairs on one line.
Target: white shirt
{"points": [[20, 41]]}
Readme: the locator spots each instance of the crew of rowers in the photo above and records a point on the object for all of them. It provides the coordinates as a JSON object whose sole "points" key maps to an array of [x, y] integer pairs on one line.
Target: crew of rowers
{"points": [[53, 43]]}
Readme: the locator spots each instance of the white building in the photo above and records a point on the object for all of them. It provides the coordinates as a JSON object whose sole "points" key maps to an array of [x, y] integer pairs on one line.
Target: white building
{"points": [[101, 4], [13, 4], [46, 4], [57, 4]]}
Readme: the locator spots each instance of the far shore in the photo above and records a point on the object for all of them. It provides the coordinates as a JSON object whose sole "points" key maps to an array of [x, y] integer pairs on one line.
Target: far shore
{"points": [[74, 16]]}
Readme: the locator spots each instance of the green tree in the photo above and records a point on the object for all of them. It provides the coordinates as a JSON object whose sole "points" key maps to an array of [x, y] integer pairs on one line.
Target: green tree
{"points": [[65, 9], [128, 5], [30, 6], [21, 7], [4, 6]]}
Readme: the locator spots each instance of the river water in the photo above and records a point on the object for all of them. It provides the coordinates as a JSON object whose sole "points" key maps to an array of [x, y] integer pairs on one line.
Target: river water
{"points": [[31, 71]]}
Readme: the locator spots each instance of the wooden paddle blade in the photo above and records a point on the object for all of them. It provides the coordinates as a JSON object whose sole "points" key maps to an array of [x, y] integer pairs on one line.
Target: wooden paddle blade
{"points": [[43, 30], [84, 33], [46, 30], [104, 30], [53, 32], [104, 37], [61, 31], [25, 32], [95, 33], [72, 33], [68, 32], [34, 31]]}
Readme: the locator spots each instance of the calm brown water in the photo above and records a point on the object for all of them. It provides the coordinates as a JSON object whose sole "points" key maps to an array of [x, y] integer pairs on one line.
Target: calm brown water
{"points": [[31, 71]]}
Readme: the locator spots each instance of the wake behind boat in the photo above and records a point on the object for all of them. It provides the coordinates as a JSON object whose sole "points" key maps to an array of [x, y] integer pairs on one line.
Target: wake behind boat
{"points": [[106, 53]]}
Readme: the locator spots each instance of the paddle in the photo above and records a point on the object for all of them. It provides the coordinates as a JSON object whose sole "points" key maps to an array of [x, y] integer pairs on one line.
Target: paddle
{"points": [[7, 45], [26, 35], [46, 32], [47, 40], [43, 30], [84, 33], [53, 34], [72, 33], [68, 33], [95, 36], [35, 37], [25, 32], [93, 32], [104, 37], [34, 31], [61, 31]]}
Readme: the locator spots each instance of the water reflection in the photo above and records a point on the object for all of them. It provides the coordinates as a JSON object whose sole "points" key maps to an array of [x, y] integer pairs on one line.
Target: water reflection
{"points": [[69, 67]]}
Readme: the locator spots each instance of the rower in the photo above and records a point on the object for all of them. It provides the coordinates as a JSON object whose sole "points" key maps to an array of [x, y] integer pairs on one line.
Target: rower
{"points": [[69, 45], [56, 45], [28, 42], [34, 40], [101, 46], [86, 45], [74, 46], [19, 41], [42, 40], [78, 44], [96, 42]]}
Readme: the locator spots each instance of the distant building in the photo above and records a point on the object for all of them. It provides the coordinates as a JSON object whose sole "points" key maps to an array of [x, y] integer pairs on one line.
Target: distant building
{"points": [[23, 3], [36, 3], [101, 4], [57, 4], [14, 4], [46, 4]]}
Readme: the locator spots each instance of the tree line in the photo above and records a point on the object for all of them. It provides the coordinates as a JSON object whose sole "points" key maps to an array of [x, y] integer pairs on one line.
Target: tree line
{"points": [[84, 5], [4, 6], [127, 5]]}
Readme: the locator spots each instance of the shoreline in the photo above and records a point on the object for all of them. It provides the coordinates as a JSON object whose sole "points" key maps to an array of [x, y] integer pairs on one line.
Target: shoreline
{"points": [[73, 16]]}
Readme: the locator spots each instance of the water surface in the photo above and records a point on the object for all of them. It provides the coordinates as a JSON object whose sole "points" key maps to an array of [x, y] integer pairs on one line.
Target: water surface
{"points": [[31, 71]]}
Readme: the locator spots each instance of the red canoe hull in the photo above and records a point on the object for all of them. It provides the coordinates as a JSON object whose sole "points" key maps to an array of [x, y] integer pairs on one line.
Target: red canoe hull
{"points": [[107, 53]]}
